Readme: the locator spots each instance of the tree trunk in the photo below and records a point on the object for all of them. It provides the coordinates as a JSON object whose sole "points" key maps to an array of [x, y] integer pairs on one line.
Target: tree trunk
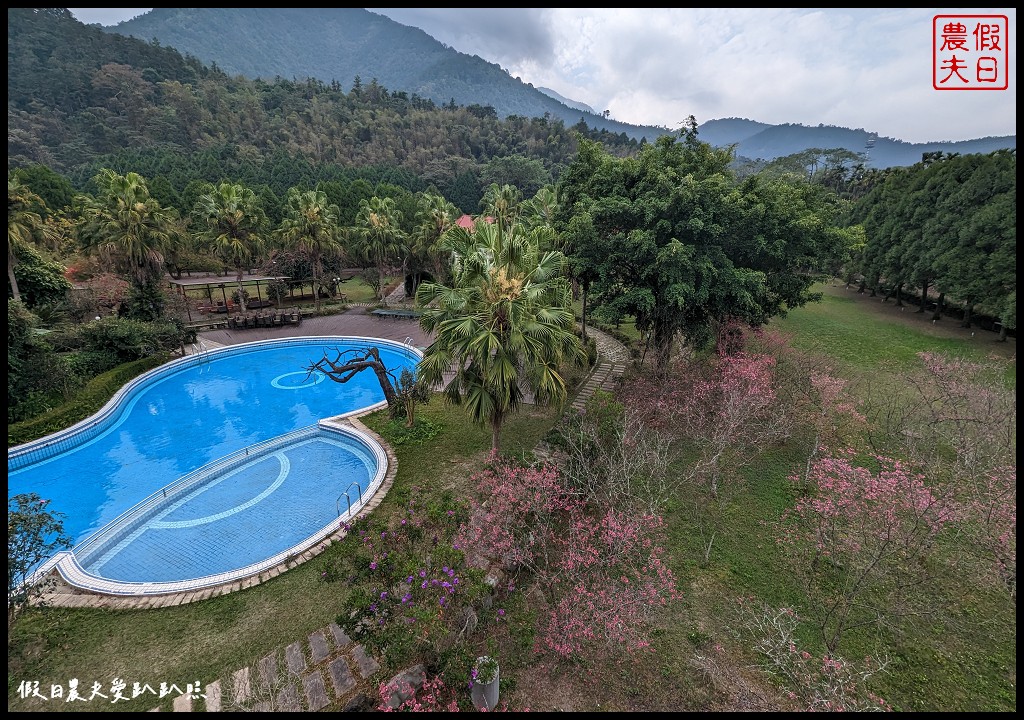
{"points": [[385, 382], [937, 315], [924, 297], [899, 298], [967, 315], [13, 280], [1002, 332], [663, 333], [584, 318], [317, 272], [241, 291], [495, 433]]}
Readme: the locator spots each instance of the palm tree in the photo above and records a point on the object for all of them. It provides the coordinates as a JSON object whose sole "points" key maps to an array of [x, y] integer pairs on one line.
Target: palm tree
{"points": [[503, 203], [25, 226], [311, 227], [379, 236], [232, 223], [505, 324], [124, 223], [541, 208], [434, 217]]}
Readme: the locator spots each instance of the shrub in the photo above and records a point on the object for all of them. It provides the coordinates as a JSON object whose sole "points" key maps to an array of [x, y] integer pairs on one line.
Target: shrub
{"points": [[90, 399]]}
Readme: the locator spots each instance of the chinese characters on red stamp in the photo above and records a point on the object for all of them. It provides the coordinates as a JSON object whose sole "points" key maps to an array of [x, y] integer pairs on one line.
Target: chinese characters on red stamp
{"points": [[970, 52]]}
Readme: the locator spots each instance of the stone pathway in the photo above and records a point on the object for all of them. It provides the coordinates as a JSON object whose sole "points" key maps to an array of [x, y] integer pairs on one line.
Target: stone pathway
{"points": [[324, 670], [612, 360]]}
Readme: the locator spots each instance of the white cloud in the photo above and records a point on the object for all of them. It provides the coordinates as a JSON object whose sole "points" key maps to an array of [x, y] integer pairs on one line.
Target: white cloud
{"points": [[858, 68]]}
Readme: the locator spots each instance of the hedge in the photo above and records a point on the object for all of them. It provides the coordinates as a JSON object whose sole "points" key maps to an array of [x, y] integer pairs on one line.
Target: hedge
{"points": [[90, 399]]}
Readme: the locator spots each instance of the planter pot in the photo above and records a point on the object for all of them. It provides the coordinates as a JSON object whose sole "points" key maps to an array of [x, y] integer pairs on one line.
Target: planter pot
{"points": [[485, 695]]}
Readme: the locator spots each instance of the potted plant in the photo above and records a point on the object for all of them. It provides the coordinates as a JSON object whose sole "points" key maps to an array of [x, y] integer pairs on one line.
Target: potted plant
{"points": [[484, 683]]}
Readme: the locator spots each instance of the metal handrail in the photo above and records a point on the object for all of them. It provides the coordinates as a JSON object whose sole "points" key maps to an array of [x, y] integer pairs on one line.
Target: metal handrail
{"points": [[348, 499]]}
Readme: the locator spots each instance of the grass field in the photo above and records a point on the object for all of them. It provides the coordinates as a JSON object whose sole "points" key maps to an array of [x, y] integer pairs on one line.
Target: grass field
{"points": [[959, 655]]}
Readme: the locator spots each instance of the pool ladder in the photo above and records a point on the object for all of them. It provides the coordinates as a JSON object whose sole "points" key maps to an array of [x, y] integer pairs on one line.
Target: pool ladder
{"points": [[348, 499], [201, 351], [408, 340]]}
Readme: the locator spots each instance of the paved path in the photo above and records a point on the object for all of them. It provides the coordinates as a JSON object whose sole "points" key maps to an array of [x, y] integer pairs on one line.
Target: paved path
{"points": [[324, 669], [356, 321], [612, 360]]}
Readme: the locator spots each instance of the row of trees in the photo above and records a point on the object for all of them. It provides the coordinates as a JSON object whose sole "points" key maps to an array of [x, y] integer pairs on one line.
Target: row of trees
{"points": [[946, 226], [136, 235]]}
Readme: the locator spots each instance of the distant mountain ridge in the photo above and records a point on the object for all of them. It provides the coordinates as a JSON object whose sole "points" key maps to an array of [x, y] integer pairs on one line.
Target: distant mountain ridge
{"points": [[341, 44], [575, 105]]}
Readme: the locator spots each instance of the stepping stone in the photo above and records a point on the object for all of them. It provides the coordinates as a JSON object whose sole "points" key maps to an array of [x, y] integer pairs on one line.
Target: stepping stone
{"points": [[213, 697], [288, 699], [316, 693], [242, 685], [262, 706], [183, 703], [404, 685], [294, 658], [341, 640], [367, 665], [318, 647], [341, 676], [268, 670]]}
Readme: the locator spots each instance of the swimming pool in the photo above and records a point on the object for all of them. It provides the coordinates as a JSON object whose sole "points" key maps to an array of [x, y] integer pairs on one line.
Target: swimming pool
{"points": [[191, 413]]}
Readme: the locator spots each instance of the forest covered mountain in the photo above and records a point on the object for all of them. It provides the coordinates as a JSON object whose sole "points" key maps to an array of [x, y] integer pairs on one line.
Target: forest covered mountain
{"points": [[81, 99], [342, 44]]}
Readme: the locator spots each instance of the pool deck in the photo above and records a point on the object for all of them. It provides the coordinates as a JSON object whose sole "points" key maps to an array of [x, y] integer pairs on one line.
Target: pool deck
{"points": [[356, 321]]}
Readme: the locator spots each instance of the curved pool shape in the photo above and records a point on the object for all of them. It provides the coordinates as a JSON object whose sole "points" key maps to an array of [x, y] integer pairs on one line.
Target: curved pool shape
{"points": [[195, 411]]}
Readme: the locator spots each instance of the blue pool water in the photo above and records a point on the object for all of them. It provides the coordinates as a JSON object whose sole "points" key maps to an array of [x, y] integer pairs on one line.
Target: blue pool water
{"points": [[185, 415], [262, 507]]}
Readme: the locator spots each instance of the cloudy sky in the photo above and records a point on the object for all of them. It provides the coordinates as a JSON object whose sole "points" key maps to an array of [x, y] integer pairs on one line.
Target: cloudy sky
{"points": [[869, 69]]}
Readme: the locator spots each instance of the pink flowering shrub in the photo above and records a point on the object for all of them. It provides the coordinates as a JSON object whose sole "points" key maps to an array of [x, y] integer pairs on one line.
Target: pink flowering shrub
{"points": [[864, 535], [432, 695], [601, 569]]}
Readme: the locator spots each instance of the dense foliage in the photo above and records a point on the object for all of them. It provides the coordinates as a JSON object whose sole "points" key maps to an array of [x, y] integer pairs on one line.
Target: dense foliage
{"points": [[671, 238], [81, 99], [947, 225]]}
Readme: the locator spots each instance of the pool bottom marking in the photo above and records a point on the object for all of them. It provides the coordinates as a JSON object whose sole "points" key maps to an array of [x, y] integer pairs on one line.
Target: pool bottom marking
{"points": [[163, 524], [319, 377]]}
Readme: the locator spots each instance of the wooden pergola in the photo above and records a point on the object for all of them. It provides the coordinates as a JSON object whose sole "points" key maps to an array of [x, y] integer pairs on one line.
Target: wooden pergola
{"points": [[182, 285]]}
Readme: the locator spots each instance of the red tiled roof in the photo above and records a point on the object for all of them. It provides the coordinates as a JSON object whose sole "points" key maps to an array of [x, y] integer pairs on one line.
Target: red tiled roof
{"points": [[468, 221]]}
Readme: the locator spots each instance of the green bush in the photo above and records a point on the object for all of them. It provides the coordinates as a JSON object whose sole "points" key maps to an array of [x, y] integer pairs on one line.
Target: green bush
{"points": [[90, 399], [88, 364], [129, 340]]}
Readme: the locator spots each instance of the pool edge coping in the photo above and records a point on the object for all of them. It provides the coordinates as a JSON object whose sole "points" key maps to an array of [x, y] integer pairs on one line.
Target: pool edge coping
{"points": [[75, 595], [78, 596]]}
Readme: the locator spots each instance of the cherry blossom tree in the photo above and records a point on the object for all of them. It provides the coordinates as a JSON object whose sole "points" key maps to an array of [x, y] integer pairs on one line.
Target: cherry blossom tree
{"points": [[862, 537], [600, 567]]}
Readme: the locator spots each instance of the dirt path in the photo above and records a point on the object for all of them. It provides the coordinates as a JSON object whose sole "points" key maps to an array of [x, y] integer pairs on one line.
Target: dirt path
{"points": [[947, 327]]}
